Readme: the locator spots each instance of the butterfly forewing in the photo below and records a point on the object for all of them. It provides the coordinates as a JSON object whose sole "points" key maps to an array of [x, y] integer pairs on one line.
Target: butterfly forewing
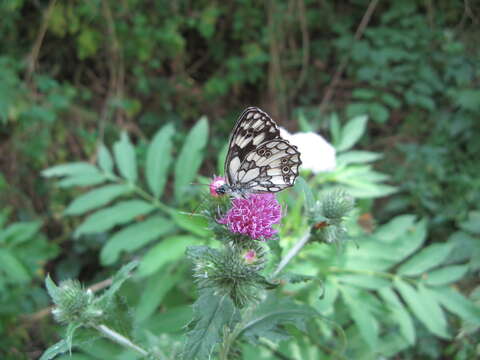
{"points": [[259, 160]]}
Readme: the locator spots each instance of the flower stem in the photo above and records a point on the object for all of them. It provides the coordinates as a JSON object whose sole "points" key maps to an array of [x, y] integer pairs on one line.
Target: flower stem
{"points": [[292, 253], [119, 339]]}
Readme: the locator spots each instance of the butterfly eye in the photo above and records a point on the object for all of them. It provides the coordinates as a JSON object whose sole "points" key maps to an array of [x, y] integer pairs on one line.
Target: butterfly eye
{"points": [[286, 169], [284, 160], [261, 152], [268, 154]]}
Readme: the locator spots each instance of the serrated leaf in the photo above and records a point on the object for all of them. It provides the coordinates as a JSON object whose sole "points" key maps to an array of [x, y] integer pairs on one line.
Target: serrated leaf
{"points": [[446, 275], [70, 169], [212, 314], [55, 350], [399, 314], [166, 251], [190, 158], [426, 259], [118, 279], [12, 268], [157, 286], [134, 237], [52, 289], [270, 317], [96, 198], [351, 133], [395, 228], [360, 310], [158, 160], [104, 159], [356, 157], [118, 214], [458, 304], [425, 308], [125, 158]]}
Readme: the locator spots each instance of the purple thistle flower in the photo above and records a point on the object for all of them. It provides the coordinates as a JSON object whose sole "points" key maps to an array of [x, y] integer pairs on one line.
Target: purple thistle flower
{"points": [[253, 216]]}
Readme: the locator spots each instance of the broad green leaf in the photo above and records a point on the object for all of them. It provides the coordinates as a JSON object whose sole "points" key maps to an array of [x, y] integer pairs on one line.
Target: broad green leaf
{"points": [[158, 160], [134, 237], [446, 275], [52, 289], [118, 214], [428, 298], [157, 286], [212, 314], [96, 198], [20, 232], [426, 259], [271, 316], [335, 129], [395, 228], [421, 305], [12, 268], [55, 350], [125, 158], [90, 179], [364, 281], [353, 157], [360, 310], [221, 159], [472, 224], [166, 251], [351, 133], [70, 169], [190, 158], [458, 304], [307, 191], [196, 225], [399, 314], [104, 159]]}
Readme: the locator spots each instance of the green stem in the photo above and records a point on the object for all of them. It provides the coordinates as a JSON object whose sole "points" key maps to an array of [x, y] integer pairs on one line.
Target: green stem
{"points": [[292, 253], [120, 339]]}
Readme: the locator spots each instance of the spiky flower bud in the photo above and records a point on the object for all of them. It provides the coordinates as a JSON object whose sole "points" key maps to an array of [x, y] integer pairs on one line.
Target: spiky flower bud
{"points": [[336, 205]]}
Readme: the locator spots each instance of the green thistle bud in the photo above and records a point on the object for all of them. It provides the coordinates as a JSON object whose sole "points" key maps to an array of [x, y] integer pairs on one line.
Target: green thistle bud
{"points": [[336, 205]]}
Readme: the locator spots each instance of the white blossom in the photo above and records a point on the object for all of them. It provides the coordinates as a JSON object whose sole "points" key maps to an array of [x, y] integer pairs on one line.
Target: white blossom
{"points": [[317, 154]]}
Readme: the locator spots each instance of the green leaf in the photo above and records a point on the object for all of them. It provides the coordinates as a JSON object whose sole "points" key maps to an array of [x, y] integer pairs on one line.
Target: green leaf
{"points": [[96, 198], [134, 237], [364, 281], [125, 158], [157, 286], [446, 275], [196, 225], [166, 251], [212, 314], [71, 328], [117, 214], [190, 158], [399, 314], [70, 169], [120, 277], [425, 308], [351, 133], [360, 310], [353, 157], [472, 224], [12, 268], [55, 350], [307, 191], [104, 159], [458, 304], [272, 315], [90, 179], [158, 160], [427, 258], [221, 158], [52, 289], [20, 232]]}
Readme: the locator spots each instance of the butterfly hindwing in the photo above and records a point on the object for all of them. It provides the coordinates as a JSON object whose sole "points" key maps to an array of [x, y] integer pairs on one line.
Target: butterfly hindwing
{"points": [[252, 128]]}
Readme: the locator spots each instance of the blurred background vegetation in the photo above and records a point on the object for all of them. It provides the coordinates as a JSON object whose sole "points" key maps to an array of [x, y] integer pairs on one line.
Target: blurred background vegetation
{"points": [[76, 74]]}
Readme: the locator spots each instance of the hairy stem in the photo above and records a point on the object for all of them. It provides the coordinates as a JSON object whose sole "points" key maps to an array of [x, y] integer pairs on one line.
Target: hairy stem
{"points": [[292, 253], [120, 339]]}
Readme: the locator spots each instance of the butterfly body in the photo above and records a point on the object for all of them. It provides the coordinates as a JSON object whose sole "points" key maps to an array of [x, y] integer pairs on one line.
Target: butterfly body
{"points": [[258, 159]]}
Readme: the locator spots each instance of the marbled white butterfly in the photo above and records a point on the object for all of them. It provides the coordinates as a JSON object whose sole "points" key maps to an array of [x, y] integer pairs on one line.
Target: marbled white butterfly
{"points": [[258, 159]]}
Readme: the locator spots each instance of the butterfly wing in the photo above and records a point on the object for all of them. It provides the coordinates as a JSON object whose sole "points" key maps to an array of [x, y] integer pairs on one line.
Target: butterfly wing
{"points": [[252, 128], [270, 167]]}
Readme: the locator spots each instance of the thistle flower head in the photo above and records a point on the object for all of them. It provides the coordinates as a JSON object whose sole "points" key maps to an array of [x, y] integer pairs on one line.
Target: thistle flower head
{"points": [[216, 183], [253, 216]]}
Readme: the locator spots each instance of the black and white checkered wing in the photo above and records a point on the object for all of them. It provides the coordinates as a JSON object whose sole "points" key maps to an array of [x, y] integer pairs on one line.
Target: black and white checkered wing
{"points": [[258, 159]]}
